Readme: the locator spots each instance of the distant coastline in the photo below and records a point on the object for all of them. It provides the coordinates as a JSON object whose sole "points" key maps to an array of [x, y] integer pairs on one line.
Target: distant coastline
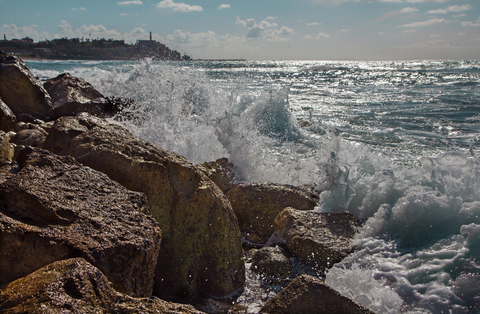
{"points": [[89, 49]]}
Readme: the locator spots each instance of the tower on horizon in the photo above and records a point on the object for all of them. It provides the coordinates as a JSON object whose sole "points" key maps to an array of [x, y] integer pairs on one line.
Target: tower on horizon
{"points": [[150, 36]]}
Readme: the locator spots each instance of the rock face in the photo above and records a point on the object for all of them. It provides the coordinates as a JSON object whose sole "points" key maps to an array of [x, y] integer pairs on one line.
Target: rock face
{"points": [[271, 262], [53, 208], [201, 252], [21, 91], [71, 95], [7, 118], [307, 294], [318, 239], [75, 286], [257, 204]]}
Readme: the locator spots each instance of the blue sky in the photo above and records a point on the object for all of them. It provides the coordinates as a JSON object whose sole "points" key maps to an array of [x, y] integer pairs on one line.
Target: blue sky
{"points": [[263, 29]]}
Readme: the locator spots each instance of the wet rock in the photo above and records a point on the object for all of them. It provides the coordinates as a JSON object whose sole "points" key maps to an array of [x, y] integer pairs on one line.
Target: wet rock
{"points": [[75, 286], [53, 208], [271, 262], [7, 118], [307, 294], [318, 239], [21, 91], [72, 95], [201, 252], [257, 204], [29, 137], [220, 172], [6, 150]]}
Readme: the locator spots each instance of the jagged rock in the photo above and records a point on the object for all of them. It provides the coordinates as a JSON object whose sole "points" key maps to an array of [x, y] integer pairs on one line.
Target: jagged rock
{"points": [[201, 252], [318, 239], [257, 204], [220, 172], [307, 295], [6, 150], [7, 118], [28, 137], [71, 95], [21, 91], [75, 286], [272, 262], [53, 208]]}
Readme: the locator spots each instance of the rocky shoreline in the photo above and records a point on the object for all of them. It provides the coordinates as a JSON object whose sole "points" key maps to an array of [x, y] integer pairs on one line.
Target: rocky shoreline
{"points": [[95, 220]]}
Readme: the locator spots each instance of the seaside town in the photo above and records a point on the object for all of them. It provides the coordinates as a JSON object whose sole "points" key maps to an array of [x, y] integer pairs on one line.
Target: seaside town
{"points": [[89, 49]]}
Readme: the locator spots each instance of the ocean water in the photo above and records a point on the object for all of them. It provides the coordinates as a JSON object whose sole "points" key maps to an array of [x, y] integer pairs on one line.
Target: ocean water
{"points": [[396, 143]]}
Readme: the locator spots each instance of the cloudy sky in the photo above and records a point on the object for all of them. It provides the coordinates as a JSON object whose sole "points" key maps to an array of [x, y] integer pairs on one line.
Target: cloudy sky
{"points": [[263, 29]]}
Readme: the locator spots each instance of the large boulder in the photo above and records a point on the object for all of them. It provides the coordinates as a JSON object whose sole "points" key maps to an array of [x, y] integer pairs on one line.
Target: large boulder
{"points": [[72, 95], [307, 295], [318, 239], [21, 91], [7, 118], [257, 204], [201, 252], [75, 286], [53, 208]]}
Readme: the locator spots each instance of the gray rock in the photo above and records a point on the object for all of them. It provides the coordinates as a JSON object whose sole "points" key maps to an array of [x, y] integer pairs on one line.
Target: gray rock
{"points": [[29, 137], [53, 208], [21, 91], [72, 95], [309, 295], [318, 239], [271, 262]]}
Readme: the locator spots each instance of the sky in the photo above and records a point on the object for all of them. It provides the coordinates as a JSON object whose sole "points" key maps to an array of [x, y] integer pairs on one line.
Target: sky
{"points": [[262, 29]]}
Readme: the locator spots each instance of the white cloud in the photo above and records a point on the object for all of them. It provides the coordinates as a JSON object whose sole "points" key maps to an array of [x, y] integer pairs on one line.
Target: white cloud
{"points": [[123, 14], [94, 31], [130, 2], [265, 29], [408, 10], [270, 17], [322, 35], [178, 7], [452, 8], [79, 9], [12, 31], [430, 22], [395, 13], [223, 6], [344, 30], [438, 11], [460, 8], [435, 36], [307, 37], [470, 24], [459, 15], [409, 31], [314, 24]]}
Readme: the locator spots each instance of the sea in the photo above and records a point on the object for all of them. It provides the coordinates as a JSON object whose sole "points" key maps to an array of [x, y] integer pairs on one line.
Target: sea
{"points": [[395, 143]]}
